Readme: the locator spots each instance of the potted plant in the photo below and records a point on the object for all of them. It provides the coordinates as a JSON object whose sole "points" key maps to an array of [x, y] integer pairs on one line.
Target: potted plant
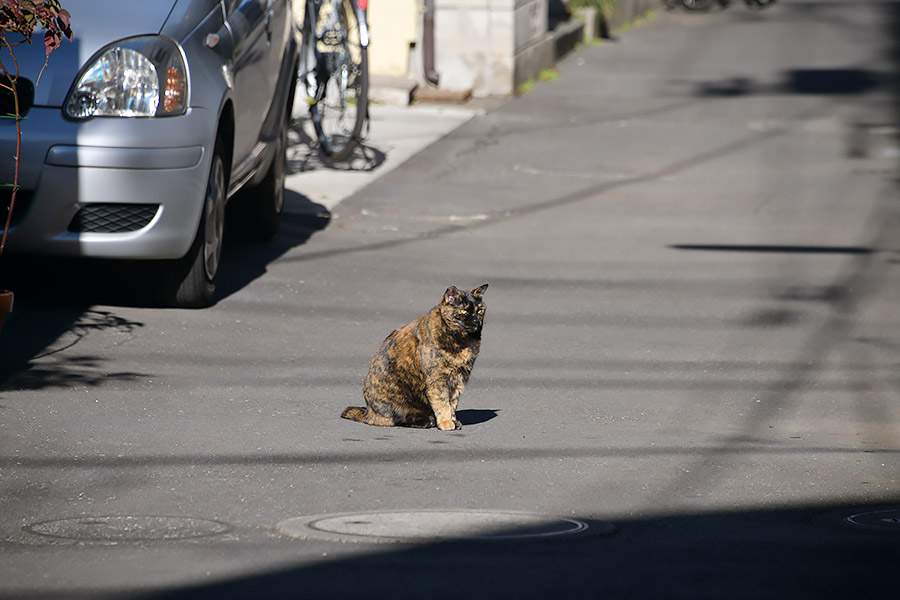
{"points": [[18, 20]]}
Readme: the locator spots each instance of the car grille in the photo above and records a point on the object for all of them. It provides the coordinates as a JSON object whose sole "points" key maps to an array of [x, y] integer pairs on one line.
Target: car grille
{"points": [[113, 218], [26, 97]]}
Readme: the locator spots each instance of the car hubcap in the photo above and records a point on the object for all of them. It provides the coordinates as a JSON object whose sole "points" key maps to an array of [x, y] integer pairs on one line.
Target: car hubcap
{"points": [[215, 218]]}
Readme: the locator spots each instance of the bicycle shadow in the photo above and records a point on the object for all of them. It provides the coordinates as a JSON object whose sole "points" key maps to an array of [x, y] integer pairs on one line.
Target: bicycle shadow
{"points": [[305, 153]]}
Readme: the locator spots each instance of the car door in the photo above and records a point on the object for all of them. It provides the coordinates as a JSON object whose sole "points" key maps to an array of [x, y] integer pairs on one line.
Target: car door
{"points": [[255, 65]]}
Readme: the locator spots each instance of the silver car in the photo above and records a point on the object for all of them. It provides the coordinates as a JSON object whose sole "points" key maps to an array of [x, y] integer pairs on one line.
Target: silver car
{"points": [[144, 126]]}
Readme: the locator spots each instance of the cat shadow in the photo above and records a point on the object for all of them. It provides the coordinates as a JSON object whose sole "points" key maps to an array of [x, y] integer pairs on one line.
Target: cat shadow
{"points": [[474, 416]]}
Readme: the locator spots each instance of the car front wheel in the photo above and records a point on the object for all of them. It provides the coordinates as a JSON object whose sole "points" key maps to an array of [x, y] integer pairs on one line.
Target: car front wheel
{"points": [[254, 213], [190, 282]]}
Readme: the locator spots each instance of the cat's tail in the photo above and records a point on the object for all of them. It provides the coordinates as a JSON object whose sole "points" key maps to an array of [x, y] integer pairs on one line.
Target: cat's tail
{"points": [[354, 413], [364, 415]]}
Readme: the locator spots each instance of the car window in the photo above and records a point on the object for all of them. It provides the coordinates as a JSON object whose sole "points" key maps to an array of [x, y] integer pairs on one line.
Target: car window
{"points": [[250, 9], [245, 16]]}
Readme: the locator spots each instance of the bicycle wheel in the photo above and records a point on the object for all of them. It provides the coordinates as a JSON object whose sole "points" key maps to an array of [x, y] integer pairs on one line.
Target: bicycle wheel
{"points": [[341, 101]]}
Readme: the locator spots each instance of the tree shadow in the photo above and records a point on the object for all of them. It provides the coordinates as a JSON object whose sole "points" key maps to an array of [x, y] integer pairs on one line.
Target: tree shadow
{"points": [[54, 296], [45, 331]]}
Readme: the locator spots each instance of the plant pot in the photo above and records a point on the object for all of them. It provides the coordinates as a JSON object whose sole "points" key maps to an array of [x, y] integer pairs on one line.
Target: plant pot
{"points": [[6, 306]]}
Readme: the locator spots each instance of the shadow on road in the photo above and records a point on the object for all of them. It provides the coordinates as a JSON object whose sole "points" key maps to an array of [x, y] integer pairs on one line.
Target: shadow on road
{"points": [[244, 261], [305, 154], [798, 550], [54, 299], [795, 550], [38, 325], [816, 82], [475, 416], [808, 552]]}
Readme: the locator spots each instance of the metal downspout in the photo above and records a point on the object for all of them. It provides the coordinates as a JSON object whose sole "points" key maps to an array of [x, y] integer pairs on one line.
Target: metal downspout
{"points": [[431, 75]]}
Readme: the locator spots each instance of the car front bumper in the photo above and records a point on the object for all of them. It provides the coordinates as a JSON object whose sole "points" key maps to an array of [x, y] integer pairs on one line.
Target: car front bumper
{"points": [[155, 167]]}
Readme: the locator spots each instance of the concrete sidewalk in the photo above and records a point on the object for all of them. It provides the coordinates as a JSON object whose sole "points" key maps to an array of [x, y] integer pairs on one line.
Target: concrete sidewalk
{"points": [[396, 133]]}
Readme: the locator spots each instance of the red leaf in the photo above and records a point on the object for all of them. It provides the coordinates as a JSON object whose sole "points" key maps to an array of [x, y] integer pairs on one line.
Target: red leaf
{"points": [[51, 41]]}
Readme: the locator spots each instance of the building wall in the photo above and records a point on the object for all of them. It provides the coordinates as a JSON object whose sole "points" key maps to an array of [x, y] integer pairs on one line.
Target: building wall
{"points": [[489, 46], [393, 27], [484, 46]]}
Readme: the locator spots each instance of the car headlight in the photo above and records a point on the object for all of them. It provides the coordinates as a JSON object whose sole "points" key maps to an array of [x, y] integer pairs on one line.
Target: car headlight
{"points": [[138, 77]]}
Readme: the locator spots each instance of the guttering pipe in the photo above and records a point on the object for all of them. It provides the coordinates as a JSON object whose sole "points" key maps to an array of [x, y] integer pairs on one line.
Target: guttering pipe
{"points": [[431, 75]]}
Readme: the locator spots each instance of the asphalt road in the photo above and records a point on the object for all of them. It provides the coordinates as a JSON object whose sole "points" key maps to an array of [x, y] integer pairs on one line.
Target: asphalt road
{"points": [[691, 241]]}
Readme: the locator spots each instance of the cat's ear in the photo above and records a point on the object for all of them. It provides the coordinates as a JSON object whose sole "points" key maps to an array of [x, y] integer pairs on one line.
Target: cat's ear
{"points": [[452, 296], [479, 291]]}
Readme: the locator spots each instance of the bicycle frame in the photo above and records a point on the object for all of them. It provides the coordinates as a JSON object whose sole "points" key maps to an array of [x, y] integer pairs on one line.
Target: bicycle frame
{"points": [[308, 56]]}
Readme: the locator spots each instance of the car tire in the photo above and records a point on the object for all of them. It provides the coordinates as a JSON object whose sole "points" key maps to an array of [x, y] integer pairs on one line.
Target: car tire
{"points": [[255, 213], [190, 282]]}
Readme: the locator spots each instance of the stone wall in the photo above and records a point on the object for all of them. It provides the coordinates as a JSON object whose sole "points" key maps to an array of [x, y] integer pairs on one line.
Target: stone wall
{"points": [[482, 47], [490, 46]]}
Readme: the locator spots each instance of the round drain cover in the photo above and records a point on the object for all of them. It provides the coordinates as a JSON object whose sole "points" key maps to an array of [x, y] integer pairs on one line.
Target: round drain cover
{"points": [[882, 520], [128, 528], [434, 525]]}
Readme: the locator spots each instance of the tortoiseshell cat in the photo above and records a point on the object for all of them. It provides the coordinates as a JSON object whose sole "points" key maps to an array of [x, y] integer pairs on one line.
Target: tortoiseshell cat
{"points": [[418, 374]]}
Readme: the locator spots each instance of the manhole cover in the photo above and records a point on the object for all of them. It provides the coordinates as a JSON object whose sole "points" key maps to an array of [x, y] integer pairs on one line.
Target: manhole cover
{"points": [[128, 528], [430, 526], [882, 520]]}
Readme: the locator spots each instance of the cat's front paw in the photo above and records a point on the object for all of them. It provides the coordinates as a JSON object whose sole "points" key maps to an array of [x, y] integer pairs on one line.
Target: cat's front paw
{"points": [[449, 425]]}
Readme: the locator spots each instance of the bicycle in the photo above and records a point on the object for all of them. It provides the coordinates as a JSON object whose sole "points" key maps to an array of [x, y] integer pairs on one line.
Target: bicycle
{"points": [[335, 70]]}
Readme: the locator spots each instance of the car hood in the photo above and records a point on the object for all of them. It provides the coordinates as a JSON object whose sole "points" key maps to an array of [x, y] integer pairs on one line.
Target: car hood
{"points": [[95, 24]]}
